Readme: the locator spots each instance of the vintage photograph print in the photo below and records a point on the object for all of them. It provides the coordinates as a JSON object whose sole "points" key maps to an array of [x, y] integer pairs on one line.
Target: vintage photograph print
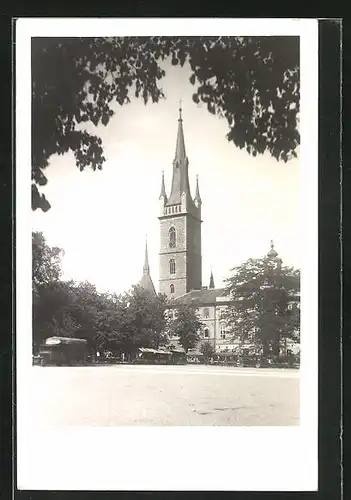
{"points": [[167, 238]]}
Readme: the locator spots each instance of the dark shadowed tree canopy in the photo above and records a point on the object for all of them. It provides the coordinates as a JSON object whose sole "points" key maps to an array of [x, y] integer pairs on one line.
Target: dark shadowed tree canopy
{"points": [[106, 320], [252, 82], [142, 320]]}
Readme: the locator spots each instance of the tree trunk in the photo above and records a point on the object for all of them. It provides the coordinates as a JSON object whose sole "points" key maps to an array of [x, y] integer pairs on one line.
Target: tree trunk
{"points": [[265, 348], [276, 344]]}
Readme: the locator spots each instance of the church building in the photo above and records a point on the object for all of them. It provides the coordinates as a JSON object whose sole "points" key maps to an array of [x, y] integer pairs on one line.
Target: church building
{"points": [[180, 228], [180, 257]]}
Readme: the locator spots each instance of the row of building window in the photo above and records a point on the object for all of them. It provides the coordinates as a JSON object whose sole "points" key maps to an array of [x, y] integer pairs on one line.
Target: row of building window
{"points": [[223, 332], [173, 210], [223, 329]]}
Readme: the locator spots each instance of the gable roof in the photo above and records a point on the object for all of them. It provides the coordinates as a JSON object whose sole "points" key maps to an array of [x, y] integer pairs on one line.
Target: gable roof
{"points": [[204, 297]]}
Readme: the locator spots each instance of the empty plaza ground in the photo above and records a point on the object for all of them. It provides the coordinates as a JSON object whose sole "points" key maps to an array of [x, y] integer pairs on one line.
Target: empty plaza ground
{"points": [[127, 395]]}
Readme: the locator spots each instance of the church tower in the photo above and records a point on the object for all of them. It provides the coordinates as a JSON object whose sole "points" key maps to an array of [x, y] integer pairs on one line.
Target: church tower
{"points": [[146, 280], [180, 228]]}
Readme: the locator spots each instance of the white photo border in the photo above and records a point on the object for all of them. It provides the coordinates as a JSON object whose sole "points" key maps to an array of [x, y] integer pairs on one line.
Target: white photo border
{"points": [[221, 458]]}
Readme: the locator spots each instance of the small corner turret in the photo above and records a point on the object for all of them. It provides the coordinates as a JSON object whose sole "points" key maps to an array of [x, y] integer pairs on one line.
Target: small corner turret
{"points": [[163, 188], [197, 199]]}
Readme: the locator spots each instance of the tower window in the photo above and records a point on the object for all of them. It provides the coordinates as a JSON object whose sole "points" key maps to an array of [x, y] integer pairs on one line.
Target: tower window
{"points": [[206, 333], [172, 268], [171, 288], [206, 312], [172, 237]]}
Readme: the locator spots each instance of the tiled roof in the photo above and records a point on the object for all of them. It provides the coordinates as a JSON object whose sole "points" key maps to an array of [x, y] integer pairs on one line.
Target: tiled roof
{"points": [[201, 297]]}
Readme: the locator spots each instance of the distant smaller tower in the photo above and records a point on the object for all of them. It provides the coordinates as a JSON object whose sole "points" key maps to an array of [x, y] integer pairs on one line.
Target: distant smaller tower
{"points": [[146, 280], [273, 255], [212, 285]]}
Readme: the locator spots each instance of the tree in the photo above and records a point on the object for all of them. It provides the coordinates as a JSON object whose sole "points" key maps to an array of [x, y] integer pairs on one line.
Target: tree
{"points": [[61, 308], [46, 261], [53, 311], [262, 292], [87, 308], [49, 295], [252, 82], [187, 326], [207, 350], [144, 321], [107, 321], [129, 321]]}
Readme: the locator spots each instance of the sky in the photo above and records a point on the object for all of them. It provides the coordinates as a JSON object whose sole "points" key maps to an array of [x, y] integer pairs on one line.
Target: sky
{"points": [[101, 218]]}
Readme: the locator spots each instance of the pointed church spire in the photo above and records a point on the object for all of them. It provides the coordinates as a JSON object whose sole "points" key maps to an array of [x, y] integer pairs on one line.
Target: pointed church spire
{"points": [[180, 180], [146, 281], [212, 285], [197, 193], [146, 260], [163, 189], [180, 145]]}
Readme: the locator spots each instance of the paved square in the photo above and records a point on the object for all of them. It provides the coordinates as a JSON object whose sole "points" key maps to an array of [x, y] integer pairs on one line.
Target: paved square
{"points": [[123, 395]]}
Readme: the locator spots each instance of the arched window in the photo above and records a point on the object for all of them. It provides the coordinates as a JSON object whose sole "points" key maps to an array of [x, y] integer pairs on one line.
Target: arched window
{"points": [[171, 288], [223, 331], [206, 312], [206, 333], [172, 237], [172, 266]]}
